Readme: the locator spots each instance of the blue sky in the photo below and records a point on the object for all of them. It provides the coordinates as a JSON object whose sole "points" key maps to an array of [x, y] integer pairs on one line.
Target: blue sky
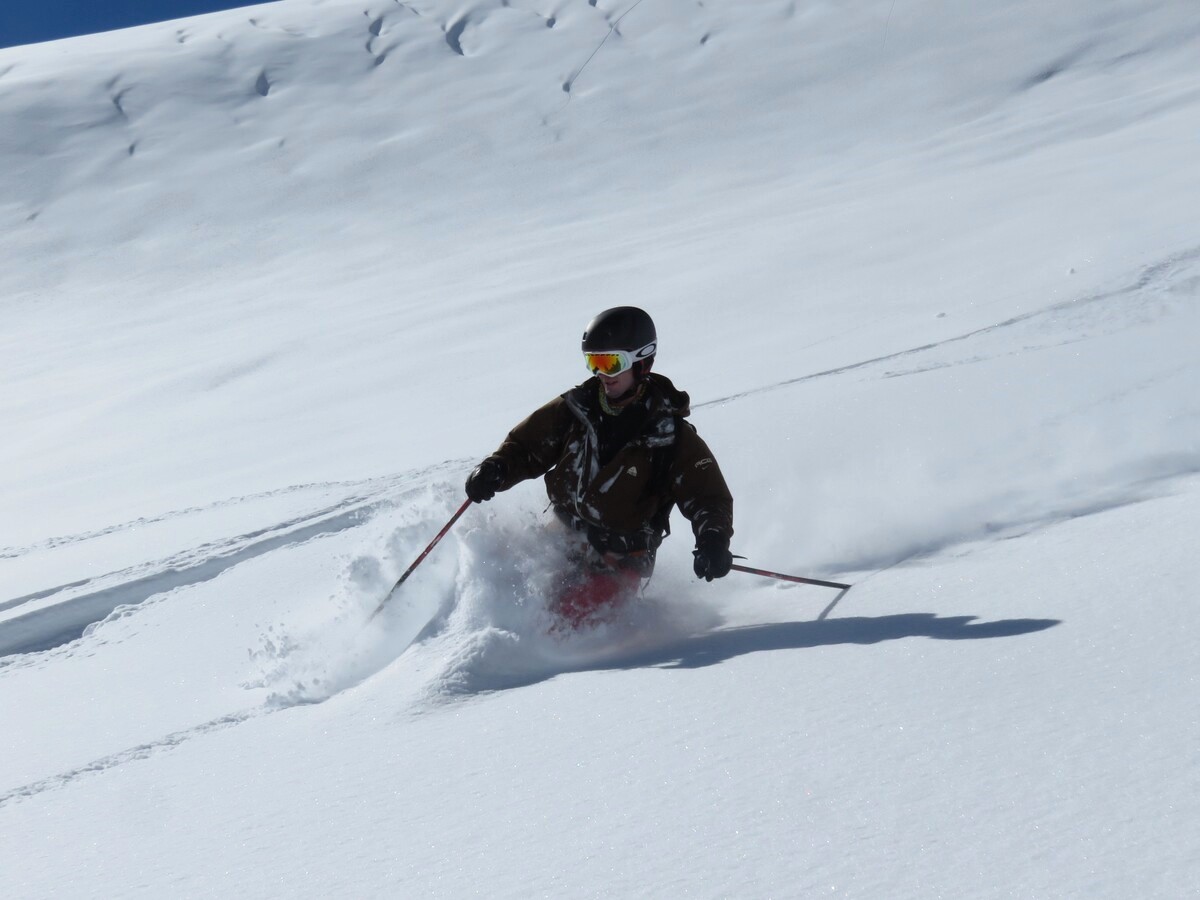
{"points": [[33, 21]]}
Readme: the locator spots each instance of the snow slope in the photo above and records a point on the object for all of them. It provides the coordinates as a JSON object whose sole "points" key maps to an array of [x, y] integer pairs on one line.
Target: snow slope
{"points": [[272, 279]]}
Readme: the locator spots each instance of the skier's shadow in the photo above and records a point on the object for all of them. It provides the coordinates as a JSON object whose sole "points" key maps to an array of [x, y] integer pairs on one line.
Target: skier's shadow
{"points": [[718, 646]]}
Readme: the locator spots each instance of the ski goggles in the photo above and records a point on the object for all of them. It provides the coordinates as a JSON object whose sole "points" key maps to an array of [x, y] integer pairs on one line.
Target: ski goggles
{"points": [[613, 362]]}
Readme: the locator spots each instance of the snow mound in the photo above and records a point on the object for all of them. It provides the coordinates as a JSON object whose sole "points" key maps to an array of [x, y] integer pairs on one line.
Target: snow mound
{"points": [[326, 649], [474, 614], [499, 633]]}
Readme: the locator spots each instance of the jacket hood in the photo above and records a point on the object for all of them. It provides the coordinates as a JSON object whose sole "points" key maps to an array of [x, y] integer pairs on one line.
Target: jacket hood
{"points": [[674, 401]]}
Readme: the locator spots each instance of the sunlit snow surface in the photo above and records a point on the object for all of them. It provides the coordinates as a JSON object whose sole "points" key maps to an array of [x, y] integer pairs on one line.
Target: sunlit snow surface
{"points": [[272, 280]]}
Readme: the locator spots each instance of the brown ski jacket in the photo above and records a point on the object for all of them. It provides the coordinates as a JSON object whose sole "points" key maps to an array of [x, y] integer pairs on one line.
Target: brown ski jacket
{"points": [[617, 476]]}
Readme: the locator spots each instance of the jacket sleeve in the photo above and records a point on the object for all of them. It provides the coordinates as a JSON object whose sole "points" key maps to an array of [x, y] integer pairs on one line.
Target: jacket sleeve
{"points": [[698, 486], [534, 446]]}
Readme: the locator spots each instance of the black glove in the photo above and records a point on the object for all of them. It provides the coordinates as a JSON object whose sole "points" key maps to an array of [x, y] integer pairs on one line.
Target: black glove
{"points": [[712, 556], [487, 478]]}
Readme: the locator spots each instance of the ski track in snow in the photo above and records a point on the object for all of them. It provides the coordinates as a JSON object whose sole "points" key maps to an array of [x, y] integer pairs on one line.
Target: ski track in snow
{"points": [[140, 752], [51, 626], [371, 487], [1155, 276]]}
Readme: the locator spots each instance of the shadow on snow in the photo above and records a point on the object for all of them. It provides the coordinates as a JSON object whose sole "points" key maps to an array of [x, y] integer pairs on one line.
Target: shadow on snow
{"points": [[719, 646], [712, 648]]}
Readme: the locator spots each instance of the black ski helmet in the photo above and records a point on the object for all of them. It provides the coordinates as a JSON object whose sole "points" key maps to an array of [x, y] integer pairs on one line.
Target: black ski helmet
{"points": [[619, 328], [623, 328]]}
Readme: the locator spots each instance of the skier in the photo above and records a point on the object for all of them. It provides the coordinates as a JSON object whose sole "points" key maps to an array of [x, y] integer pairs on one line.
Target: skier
{"points": [[617, 456]]}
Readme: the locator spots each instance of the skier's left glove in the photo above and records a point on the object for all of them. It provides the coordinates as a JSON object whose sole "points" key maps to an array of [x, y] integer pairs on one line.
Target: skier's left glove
{"points": [[712, 556], [485, 480]]}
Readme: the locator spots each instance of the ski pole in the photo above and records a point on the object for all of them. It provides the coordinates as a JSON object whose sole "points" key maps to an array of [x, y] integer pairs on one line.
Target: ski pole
{"points": [[424, 553], [795, 578]]}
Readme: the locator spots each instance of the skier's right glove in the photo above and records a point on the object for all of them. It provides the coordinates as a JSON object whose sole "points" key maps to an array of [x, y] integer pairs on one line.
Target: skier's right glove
{"points": [[485, 480], [712, 556]]}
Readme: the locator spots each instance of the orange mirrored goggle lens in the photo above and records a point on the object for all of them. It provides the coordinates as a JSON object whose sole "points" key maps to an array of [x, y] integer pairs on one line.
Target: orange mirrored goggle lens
{"points": [[607, 363]]}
